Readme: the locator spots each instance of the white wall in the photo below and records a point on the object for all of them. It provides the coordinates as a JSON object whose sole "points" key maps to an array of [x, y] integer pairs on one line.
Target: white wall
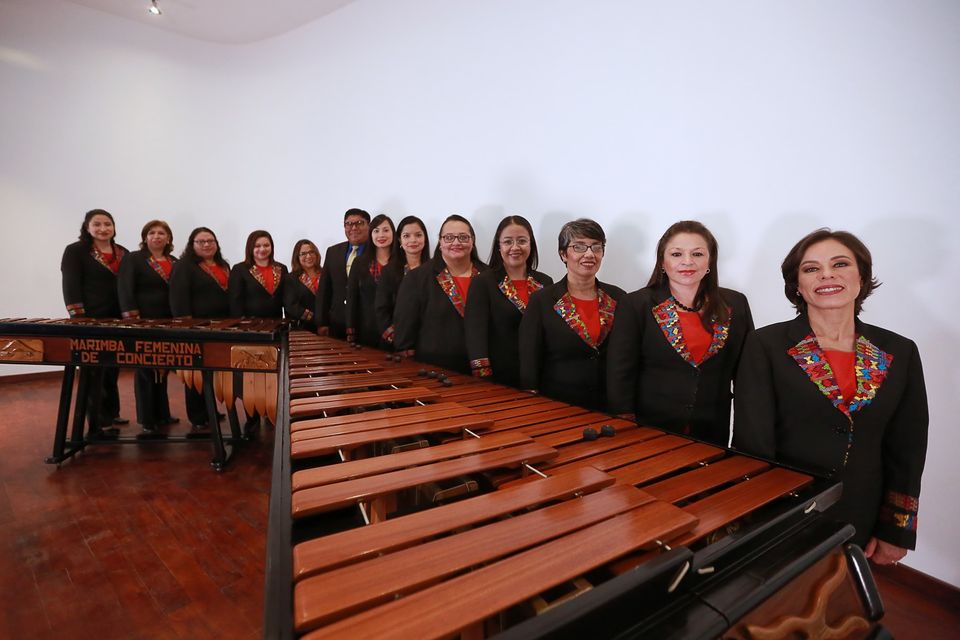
{"points": [[765, 120]]}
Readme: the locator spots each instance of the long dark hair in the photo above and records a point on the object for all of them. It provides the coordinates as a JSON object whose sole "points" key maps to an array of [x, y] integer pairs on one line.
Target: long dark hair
{"points": [[295, 267], [791, 266], [398, 257], [474, 256], [252, 240], [708, 293], [85, 236], [168, 248], [191, 255], [496, 258], [369, 249]]}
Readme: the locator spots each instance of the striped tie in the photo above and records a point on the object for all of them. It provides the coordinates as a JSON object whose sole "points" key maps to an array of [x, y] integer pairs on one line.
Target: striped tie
{"points": [[351, 257]]}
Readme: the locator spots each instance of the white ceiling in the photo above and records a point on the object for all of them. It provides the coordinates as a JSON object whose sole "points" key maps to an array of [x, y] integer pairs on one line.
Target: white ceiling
{"points": [[221, 21]]}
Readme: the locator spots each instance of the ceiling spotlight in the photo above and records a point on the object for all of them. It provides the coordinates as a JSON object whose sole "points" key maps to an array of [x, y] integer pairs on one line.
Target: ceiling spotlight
{"points": [[153, 8]]}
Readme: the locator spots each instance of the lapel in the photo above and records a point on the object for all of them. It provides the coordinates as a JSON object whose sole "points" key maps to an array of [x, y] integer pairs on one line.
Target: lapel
{"points": [[668, 319], [155, 265], [449, 286], [375, 269], [308, 282], [207, 269], [507, 289], [871, 367], [118, 253], [276, 275], [567, 310]]}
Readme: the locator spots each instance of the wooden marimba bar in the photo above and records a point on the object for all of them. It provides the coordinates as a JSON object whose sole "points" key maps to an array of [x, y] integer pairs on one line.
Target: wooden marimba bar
{"points": [[487, 510], [215, 357]]}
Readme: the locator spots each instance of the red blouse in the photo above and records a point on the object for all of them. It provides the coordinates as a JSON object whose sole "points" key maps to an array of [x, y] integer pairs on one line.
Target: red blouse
{"points": [[463, 284], [266, 273], [843, 364], [167, 265], [111, 261], [523, 290], [589, 312], [698, 339], [219, 273]]}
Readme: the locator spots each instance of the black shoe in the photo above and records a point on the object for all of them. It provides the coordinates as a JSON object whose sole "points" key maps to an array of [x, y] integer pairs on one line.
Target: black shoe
{"points": [[169, 420], [106, 433], [199, 431], [119, 420]]}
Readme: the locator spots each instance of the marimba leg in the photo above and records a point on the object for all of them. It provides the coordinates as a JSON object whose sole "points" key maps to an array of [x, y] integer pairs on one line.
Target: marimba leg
{"points": [[63, 416], [221, 451]]}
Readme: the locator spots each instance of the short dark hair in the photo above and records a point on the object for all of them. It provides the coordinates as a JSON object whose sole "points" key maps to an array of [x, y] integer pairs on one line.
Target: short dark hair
{"points": [[708, 293], [85, 236], [168, 249], [399, 257], [356, 212], [583, 227], [252, 240], [191, 255], [474, 256], [790, 268], [295, 267], [496, 258]]}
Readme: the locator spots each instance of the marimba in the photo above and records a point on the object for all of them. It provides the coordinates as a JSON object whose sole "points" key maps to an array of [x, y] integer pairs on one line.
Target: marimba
{"points": [[490, 511], [217, 357]]}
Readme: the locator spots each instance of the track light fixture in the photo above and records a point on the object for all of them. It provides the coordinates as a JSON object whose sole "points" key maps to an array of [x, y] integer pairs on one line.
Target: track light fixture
{"points": [[154, 9]]}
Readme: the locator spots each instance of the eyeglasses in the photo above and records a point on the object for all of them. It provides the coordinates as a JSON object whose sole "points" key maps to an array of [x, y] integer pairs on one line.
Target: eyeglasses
{"points": [[509, 242], [450, 238], [354, 224], [304, 254], [581, 247], [204, 242]]}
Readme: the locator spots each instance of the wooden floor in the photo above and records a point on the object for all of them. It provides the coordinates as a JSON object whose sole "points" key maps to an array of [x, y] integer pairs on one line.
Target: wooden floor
{"points": [[149, 542]]}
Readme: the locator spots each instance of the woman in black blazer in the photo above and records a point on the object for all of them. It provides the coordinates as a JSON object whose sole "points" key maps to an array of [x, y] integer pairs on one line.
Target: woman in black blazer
{"points": [[411, 248], [256, 284], [364, 280], [563, 334], [498, 300], [676, 343], [198, 289], [829, 393], [300, 290], [89, 270], [431, 301], [144, 287]]}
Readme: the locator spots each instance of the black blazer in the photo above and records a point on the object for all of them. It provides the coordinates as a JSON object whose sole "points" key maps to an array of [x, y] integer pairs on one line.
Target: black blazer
{"points": [[492, 324], [196, 293], [427, 320], [331, 308], [649, 377], [554, 359], [144, 289], [877, 449], [299, 301], [362, 285], [385, 300], [89, 286], [250, 298]]}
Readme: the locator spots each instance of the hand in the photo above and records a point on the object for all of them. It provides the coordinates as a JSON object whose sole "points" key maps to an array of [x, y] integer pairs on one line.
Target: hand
{"points": [[632, 417], [323, 331], [881, 552]]}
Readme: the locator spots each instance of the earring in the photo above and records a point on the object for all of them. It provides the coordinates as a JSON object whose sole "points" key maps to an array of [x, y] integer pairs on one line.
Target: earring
{"points": [[708, 270], [662, 270]]}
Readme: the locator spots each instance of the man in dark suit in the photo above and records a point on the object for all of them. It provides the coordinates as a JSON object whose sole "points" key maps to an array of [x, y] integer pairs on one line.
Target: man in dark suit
{"points": [[332, 292]]}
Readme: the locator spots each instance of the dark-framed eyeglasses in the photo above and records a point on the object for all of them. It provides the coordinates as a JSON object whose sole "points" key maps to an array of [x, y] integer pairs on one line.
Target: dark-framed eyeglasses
{"points": [[354, 224], [450, 238], [581, 247]]}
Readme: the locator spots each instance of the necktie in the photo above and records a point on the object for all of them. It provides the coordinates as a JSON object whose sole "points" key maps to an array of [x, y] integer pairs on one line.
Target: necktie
{"points": [[351, 257]]}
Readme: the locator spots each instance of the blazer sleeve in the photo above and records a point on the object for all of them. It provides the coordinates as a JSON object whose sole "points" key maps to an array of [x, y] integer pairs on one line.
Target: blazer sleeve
{"points": [[623, 357], [754, 415], [324, 293], [476, 325], [904, 452], [385, 300], [71, 271], [531, 342], [406, 316], [237, 290], [291, 303], [180, 299], [127, 288]]}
